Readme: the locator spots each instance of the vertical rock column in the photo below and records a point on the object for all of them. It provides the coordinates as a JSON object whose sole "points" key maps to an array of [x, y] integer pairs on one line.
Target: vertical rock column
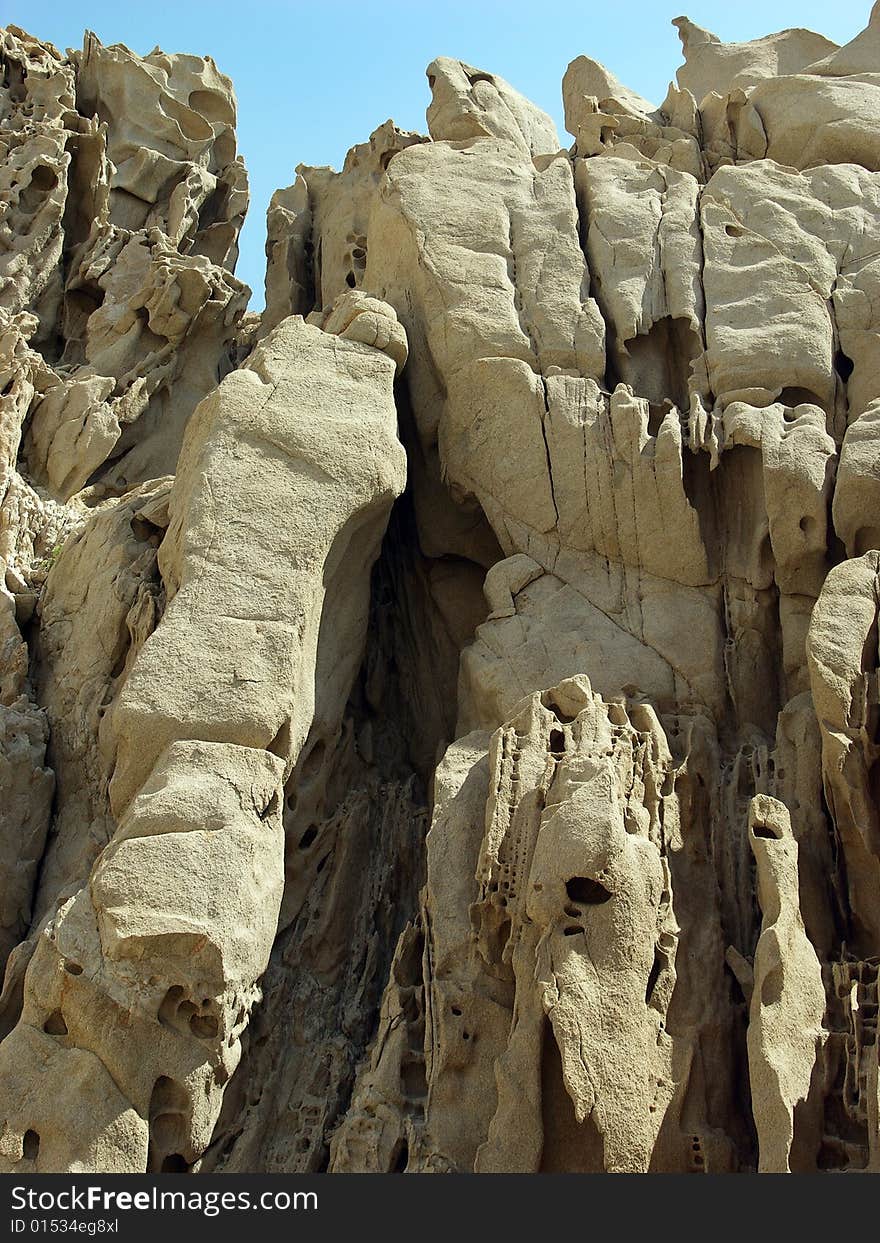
{"points": [[141, 986], [788, 998]]}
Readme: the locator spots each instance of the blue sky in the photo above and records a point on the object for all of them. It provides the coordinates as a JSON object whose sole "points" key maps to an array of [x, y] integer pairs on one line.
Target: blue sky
{"points": [[314, 78]]}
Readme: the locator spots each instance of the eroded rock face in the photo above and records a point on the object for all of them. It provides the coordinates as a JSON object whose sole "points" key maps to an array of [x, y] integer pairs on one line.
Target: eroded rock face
{"points": [[123, 201], [439, 718]]}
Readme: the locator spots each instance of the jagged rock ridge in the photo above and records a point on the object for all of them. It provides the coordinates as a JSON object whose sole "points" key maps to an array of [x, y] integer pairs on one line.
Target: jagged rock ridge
{"points": [[439, 717]]}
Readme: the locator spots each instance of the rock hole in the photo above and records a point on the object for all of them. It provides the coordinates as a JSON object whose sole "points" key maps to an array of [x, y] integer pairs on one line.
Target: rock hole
{"points": [[351, 280], [653, 976], [204, 1026], [169, 1005], [165, 1128], [314, 761], [186, 1010], [551, 705], [174, 1164], [843, 365], [793, 396], [557, 742], [55, 1024], [733, 230], [771, 989], [213, 106], [169, 1126], [456, 1010], [167, 1095], [13, 81], [586, 891], [400, 1157], [192, 124], [573, 911], [73, 968], [30, 1146], [308, 837], [81, 304], [766, 831], [656, 415], [213, 209], [42, 181], [572, 930], [146, 532]]}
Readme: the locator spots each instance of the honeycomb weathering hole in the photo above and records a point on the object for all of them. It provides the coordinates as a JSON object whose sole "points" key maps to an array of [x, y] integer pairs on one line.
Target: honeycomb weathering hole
{"points": [[766, 831], [55, 1024], [586, 891]]}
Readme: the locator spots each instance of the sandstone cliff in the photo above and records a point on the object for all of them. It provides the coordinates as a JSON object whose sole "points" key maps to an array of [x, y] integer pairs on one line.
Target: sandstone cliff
{"points": [[440, 717]]}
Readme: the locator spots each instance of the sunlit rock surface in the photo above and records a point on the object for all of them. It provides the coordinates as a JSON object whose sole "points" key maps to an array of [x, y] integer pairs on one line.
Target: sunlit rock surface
{"points": [[439, 718]]}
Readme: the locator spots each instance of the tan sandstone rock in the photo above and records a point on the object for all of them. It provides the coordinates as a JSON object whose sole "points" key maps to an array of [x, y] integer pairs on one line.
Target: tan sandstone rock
{"points": [[439, 715]]}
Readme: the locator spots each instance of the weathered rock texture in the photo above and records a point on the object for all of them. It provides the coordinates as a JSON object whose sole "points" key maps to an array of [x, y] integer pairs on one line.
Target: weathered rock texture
{"points": [[440, 718]]}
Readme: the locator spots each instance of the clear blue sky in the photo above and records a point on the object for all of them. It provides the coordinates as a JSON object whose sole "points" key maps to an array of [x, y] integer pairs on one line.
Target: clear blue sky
{"points": [[313, 78]]}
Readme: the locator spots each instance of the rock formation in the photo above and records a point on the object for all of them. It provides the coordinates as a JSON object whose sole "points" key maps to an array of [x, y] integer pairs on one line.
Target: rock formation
{"points": [[440, 716]]}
